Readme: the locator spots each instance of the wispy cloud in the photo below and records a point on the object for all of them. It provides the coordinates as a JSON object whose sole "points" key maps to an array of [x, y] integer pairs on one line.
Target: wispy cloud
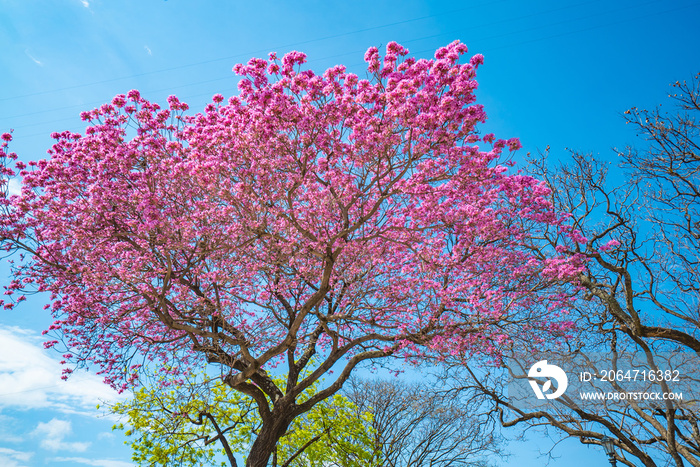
{"points": [[52, 434], [106, 435], [35, 60], [85, 3], [148, 50], [12, 458], [14, 187], [95, 462], [31, 379], [6, 434]]}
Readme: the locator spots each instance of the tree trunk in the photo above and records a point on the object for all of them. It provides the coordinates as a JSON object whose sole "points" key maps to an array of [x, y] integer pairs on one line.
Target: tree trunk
{"points": [[266, 441]]}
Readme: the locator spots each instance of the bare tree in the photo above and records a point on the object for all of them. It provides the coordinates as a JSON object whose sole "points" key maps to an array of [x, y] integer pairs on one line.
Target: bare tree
{"points": [[416, 425], [640, 291]]}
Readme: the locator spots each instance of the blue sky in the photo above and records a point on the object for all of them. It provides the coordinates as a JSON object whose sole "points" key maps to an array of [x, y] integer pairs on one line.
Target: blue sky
{"points": [[555, 73]]}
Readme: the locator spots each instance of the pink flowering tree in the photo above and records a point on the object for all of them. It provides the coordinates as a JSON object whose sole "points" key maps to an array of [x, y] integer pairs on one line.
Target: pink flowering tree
{"points": [[307, 225]]}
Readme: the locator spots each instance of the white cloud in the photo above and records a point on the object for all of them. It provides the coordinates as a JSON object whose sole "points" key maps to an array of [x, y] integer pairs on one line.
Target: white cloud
{"points": [[14, 187], [106, 435], [35, 60], [52, 436], [30, 378], [5, 434], [95, 462], [85, 3], [12, 458], [148, 50]]}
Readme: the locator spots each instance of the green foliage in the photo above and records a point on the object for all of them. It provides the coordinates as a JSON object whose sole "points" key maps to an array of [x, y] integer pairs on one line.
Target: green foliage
{"points": [[194, 422], [336, 433]]}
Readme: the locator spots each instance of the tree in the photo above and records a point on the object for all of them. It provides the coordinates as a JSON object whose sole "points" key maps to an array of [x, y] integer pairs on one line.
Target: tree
{"points": [[190, 423], [415, 425], [640, 289], [322, 218]]}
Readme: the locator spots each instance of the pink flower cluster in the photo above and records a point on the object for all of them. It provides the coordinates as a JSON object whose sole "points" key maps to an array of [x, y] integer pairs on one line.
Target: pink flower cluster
{"points": [[310, 211]]}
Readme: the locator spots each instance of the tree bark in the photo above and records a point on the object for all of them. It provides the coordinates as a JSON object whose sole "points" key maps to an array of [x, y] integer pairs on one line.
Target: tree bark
{"points": [[264, 445]]}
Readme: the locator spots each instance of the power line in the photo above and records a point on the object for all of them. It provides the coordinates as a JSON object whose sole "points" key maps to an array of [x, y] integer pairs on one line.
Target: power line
{"points": [[510, 33], [489, 24], [248, 54]]}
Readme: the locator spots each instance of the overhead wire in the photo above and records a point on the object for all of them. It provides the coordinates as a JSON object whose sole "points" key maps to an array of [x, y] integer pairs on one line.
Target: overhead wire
{"points": [[419, 52], [293, 44], [248, 54]]}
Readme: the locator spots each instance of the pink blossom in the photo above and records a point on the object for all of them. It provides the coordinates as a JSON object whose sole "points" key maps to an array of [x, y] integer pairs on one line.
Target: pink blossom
{"points": [[476, 60], [609, 245], [311, 212], [119, 101]]}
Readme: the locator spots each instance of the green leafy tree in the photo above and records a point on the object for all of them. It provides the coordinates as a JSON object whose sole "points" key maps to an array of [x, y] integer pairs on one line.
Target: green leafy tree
{"points": [[193, 422]]}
